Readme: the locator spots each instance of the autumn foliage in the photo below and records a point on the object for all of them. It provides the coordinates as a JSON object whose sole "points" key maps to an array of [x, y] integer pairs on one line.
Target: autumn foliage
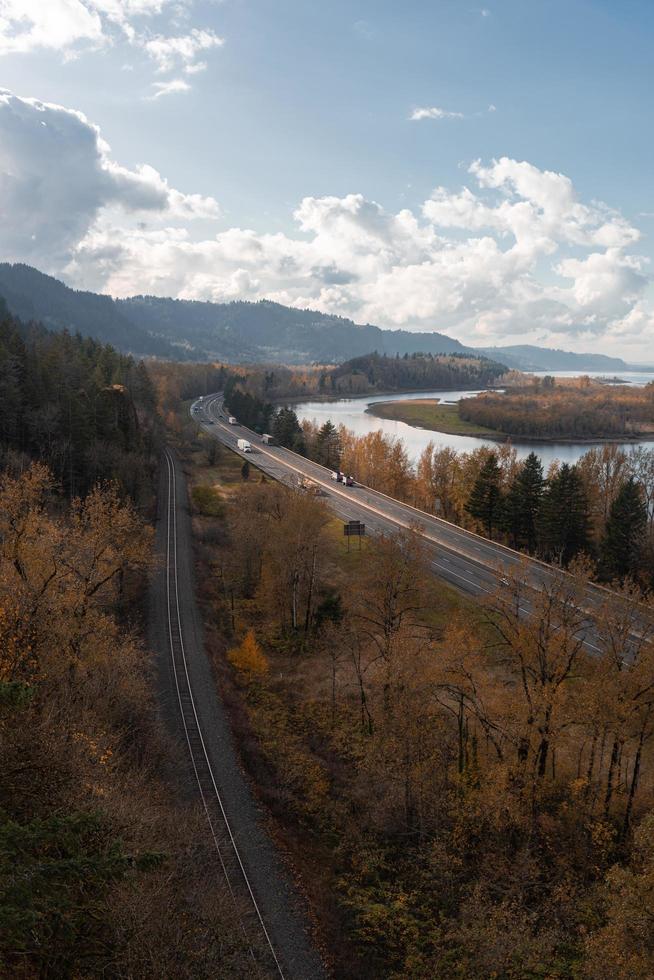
{"points": [[564, 411], [476, 785], [248, 657], [94, 876]]}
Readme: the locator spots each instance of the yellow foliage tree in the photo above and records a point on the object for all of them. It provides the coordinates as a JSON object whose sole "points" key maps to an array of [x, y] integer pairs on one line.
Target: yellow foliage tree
{"points": [[248, 658]]}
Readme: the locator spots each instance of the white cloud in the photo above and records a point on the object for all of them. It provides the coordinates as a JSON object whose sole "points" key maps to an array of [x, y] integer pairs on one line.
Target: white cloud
{"points": [[59, 24], [171, 87], [171, 52], [72, 26], [514, 254], [27, 25], [57, 175], [195, 68], [433, 112]]}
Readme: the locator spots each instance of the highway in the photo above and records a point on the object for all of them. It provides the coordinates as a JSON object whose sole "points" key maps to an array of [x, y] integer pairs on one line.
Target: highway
{"points": [[465, 560]]}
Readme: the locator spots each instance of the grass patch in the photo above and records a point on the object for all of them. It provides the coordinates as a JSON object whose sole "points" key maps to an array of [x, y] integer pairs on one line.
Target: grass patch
{"points": [[207, 500], [429, 413]]}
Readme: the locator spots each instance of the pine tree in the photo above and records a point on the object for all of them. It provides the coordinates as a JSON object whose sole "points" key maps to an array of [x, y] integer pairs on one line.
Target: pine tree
{"points": [[328, 450], [621, 550], [485, 501], [287, 430], [564, 517], [522, 503]]}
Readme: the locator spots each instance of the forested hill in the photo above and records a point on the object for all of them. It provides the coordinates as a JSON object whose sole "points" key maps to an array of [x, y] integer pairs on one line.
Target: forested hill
{"points": [[270, 332], [236, 332], [419, 371], [76, 405], [31, 295], [242, 332], [526, 357]]}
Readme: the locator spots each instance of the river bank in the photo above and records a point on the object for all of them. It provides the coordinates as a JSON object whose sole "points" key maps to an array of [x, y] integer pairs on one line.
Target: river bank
{"points": [[353, 414], [431, 414], [373, 393]]}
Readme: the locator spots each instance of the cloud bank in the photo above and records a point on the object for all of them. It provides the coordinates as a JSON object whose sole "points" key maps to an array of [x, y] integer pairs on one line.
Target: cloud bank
{"points": [[512, 253], [57, 177]]}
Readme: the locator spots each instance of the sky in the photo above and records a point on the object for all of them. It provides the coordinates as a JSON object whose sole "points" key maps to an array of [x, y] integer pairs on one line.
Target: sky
{"points": [[480, 169]]}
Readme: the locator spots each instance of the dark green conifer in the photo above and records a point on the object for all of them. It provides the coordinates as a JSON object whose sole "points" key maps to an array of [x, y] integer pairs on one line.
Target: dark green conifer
{"points": [[621, 550], [522, 503], [485, 501], [564, 519], [328, 450]]}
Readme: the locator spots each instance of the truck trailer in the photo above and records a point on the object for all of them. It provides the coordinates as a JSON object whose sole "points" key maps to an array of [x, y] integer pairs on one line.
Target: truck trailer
{"points": [[347, 481], [244, 446]]}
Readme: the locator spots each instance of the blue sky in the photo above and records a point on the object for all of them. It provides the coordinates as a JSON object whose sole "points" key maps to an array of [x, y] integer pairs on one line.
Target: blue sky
{"points": [[288, 163]]}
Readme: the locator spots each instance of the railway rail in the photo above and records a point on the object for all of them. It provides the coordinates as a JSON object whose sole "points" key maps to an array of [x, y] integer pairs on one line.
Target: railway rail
{"points": [[266, 961]]}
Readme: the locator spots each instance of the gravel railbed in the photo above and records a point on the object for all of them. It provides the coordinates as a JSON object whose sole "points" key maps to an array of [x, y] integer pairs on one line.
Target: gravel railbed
{"points": [[282, 907]]}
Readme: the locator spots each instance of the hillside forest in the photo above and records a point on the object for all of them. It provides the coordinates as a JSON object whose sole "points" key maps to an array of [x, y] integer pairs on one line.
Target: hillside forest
{"points": [[465, 791], [362, 375], [95, 878], [79, 407]]}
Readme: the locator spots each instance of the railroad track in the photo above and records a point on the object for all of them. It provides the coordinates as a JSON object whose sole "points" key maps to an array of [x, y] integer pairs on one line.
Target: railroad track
{"points": [[265, 960]]}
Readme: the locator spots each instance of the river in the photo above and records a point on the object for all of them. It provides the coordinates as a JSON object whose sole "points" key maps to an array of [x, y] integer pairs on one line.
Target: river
{"points": [[351, 412]]}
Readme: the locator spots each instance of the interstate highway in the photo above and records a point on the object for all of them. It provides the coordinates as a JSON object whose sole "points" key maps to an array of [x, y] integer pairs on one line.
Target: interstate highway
{"points": [[472, 564]]}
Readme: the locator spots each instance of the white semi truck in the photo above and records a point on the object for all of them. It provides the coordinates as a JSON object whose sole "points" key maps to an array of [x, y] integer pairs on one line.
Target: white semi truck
{"points": [[244, 446], [347, 481]]}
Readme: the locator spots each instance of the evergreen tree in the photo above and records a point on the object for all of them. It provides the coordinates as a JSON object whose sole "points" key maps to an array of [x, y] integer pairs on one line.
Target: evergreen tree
{"points": [[485, 501], [564, 518], [328, 450], [287, 430], [621, 550], [522, 503], [55, 874]]}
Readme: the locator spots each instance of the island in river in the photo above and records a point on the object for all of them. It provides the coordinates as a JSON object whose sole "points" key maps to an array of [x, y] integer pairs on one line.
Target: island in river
{"points": [[431, 413], [541, 410]]}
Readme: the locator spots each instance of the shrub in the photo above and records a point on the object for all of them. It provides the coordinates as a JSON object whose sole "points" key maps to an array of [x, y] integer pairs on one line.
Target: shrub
{"points": [[248, 658], [207, 501]]}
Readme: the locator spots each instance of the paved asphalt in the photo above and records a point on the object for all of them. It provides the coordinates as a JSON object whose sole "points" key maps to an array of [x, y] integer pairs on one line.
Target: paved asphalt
{"points": [[282, 908], [467, 561]]}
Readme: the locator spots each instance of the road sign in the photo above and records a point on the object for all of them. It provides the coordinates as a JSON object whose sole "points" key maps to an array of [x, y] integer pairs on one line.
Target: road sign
{"points": [[354, 529]]}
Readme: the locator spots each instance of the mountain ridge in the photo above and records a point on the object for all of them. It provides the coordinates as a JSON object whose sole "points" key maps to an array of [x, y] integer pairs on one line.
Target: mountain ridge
{"points": [[242, 331]]}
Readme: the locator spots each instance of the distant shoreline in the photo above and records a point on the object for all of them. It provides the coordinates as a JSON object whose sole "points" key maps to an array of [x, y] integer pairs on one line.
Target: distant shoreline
{"points": [[430, 415], [346, 396]]}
